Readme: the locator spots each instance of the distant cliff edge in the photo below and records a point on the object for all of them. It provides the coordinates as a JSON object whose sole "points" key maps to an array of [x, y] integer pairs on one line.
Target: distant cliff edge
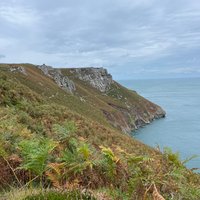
{"points": [[90, 92]]}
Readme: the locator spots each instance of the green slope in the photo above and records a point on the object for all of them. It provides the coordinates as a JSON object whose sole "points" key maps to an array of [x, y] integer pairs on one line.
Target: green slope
{"points": [[34, 109]]}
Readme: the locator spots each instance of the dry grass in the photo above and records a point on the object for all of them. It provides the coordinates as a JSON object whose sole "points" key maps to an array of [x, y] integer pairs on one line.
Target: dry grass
{"points": [[27, 111], [20, 194]]}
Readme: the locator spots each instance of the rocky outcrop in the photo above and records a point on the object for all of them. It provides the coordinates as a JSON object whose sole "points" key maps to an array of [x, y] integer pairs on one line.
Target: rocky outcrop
{"points": [[131, 111], [130, 118], [18, 69], [96, 77], [160, 113], [62, 81], [128, 115]]}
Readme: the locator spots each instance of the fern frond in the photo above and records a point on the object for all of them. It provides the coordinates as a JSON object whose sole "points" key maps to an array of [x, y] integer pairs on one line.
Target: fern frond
{"points": [[53, 178], [56, 167]]}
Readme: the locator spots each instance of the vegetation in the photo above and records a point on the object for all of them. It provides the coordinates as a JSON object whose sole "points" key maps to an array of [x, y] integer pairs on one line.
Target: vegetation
{"points": [[49, 151], [53, 195]]}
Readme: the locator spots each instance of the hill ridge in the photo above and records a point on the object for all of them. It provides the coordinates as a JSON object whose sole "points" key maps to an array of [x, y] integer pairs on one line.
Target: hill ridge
{"points": [[93, 88]]}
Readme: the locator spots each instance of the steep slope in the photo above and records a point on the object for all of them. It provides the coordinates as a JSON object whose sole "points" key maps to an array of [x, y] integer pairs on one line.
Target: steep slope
{"points": [[90, 92], [63, 127]]}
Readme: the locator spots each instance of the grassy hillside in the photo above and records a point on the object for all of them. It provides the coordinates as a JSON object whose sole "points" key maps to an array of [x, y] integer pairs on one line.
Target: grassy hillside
{"points": [[53, 141], [118, 107]]}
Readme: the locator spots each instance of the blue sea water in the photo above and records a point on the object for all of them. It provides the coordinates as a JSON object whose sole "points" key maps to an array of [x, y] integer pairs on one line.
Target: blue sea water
{"points": [[180, 130]]}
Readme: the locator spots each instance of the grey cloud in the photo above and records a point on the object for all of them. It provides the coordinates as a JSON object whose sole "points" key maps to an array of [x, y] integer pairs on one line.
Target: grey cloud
{"points": [[145, 36]]}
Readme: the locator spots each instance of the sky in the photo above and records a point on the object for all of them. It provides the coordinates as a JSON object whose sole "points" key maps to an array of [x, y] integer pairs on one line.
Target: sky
{"points": [[133, 39]]}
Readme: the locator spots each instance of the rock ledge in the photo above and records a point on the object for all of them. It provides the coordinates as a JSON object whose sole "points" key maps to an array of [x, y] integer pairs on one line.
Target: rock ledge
{"points": [[62, 81], [96, 77]]}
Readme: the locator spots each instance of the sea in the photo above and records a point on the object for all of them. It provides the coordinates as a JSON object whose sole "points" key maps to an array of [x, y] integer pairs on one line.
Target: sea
{"points": [[180, 130]]}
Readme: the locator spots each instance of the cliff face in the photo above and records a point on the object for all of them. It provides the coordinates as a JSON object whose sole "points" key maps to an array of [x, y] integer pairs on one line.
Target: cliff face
{"points": [[61, 80], [96, 77], [90, 92], [132, 118], [131, 115]]}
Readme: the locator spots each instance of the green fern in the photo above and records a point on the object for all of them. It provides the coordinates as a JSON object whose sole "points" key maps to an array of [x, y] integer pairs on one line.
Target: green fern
{"points": [[78, 157], [173, 158], [84, 151], [35, 154], [109, 162], [64, 131]]}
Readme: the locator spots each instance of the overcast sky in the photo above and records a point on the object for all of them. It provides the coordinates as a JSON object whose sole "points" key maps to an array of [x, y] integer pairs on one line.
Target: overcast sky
{"points": [[132, 38]]}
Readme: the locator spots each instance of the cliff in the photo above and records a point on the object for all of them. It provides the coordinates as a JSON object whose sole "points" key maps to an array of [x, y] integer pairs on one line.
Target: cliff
{"points": [[64, 127], [57, 76], [96, 77], [91, 92]]}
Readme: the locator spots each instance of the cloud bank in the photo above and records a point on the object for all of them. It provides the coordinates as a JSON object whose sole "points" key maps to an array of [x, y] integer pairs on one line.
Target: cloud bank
{"points": [[133, 39]]}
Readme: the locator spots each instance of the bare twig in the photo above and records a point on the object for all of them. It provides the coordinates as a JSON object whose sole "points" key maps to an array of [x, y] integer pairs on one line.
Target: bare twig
{"points": [[13, 171]]}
